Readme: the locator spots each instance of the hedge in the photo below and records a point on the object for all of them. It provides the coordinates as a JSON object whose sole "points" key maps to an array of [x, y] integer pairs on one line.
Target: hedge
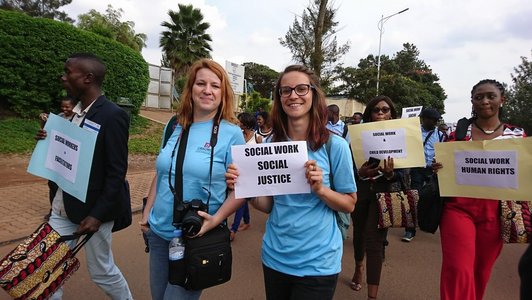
{"points": [[33, 53]]}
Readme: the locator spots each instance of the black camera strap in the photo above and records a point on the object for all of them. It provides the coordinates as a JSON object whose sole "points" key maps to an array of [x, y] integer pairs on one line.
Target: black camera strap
{"points": [[178, 178]]}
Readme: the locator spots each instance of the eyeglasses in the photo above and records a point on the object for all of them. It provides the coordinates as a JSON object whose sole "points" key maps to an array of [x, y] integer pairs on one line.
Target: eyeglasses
{"points": [[300, 89], [384, 110]]}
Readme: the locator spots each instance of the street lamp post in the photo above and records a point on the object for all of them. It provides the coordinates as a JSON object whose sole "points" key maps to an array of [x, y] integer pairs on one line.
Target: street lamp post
{"points": [[381, 27]]}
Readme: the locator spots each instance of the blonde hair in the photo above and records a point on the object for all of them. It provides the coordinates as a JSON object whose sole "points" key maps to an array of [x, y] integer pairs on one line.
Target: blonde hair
{"points": [[186, 105]]}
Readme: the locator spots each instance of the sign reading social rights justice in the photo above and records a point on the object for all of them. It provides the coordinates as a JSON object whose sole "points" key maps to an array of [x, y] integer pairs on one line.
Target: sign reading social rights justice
{"points": [[270, 169], [65, 156]]}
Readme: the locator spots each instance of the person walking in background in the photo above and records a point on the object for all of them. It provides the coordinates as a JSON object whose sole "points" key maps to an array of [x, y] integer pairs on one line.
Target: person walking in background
{"points": [[302, 245], [334, 124], [357, 118], [430, 135], [247, 123], [107, 206], [470, 228], [207, 100], [444, 129], [263, 124], [368, 240]]}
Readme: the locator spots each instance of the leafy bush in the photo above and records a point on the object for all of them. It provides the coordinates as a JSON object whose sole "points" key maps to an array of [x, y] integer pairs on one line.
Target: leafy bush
{"points": [[18, 136], [33, 54]]}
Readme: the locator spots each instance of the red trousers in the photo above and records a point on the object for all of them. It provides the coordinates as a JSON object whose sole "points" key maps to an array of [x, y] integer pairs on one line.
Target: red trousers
{"points": [[471, 242]]}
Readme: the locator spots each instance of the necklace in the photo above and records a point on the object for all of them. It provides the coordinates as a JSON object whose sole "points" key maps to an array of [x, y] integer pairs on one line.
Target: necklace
{"points": [[488, 132]]}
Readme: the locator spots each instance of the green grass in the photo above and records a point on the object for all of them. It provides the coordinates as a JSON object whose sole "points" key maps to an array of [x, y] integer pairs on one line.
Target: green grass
{"points": [[17, 136]]}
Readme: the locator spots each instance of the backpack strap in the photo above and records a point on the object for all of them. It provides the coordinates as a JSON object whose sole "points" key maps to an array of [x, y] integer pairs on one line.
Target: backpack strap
{"points": [[344, 134], [428, 137], [461, 128], [169, 129]]}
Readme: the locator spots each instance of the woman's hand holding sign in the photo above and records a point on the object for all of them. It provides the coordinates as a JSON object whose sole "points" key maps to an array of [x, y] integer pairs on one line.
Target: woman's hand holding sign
{"points": [[314, 176]]}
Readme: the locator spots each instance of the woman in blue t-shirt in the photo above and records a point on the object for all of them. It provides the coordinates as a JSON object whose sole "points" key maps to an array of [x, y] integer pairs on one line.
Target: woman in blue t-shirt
{"points": [[302, 245], [206, 96]]}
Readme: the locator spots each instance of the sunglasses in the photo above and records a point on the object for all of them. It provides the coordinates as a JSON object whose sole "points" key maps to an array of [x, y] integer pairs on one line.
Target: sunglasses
{"points": [[384, 110]]}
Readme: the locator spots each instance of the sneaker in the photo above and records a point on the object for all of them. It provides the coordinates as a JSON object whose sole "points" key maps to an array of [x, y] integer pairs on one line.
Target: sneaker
{"points": [[408, 237]]}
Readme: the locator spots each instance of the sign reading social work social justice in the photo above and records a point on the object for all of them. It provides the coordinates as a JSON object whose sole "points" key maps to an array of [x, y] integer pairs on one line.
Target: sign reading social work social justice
{"points": [[270, 169], [236, 76], [399, 139], [411, 112], [493, 169], [65, 156]]}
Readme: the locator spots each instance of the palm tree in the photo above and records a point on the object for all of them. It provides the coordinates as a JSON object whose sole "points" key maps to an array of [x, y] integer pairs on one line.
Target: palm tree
{"points": [[185, 41]]}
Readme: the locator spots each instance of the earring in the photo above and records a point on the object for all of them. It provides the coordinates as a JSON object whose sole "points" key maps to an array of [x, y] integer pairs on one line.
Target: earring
{"points": [[500, 105]]}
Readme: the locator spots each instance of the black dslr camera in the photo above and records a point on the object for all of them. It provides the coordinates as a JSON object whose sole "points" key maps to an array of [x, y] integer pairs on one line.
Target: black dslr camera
{"points": [[187, 215]]}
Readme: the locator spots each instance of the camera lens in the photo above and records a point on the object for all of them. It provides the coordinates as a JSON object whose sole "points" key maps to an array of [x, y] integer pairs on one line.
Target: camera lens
{"points": [[192, 223]]}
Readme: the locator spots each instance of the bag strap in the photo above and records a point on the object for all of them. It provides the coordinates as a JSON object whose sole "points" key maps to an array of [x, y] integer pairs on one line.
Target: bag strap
{"points": [[80, 244], [178, 178]]}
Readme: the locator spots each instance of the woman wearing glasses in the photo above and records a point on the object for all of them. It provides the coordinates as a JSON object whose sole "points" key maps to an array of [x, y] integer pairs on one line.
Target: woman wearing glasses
{"points": [[368, 240], [302, 245]]}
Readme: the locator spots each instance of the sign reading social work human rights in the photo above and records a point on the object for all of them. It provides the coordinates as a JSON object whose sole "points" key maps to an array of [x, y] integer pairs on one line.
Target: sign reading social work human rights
{"points": [[65, 156], [493, 169], [411, 112], [270, 169], [399, 139]]}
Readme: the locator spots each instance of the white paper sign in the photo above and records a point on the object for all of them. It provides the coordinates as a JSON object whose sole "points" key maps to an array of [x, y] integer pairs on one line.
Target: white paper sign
{"points": [[236, 76], [270, 169], [497, 169], [63, 155], [411, 112], [383, 143]]}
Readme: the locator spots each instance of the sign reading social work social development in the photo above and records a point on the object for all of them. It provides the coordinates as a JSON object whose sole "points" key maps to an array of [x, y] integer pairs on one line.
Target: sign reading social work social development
{"points": [[65, 156], [399, 139], [493, 169], [270, 169]]}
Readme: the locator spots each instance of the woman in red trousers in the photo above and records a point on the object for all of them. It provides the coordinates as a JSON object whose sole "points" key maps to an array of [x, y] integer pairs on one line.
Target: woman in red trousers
{"points": [[470, 227]]}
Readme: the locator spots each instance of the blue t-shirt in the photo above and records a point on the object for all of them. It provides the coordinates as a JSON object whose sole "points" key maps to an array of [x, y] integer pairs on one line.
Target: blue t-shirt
{"points": [[434, 138], [302, 237], [195, 170]]}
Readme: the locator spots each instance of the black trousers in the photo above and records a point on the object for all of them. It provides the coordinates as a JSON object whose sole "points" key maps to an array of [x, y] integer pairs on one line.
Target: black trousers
{"points": [[525, 273], [280, 286]]}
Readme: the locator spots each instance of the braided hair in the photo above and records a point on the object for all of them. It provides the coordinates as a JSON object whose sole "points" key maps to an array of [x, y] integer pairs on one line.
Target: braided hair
{"points": [[497, 84], [488, 81]]}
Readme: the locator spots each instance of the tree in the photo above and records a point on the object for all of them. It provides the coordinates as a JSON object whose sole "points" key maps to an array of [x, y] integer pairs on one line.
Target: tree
{"points": [[405, 78], [261, 77], [39, 8], [251, 103], [520, 96], [186, 39], [110, 26], [312, 40]]}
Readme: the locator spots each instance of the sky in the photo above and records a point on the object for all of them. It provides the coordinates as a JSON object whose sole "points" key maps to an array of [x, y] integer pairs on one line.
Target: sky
{"points": [[462, 41]]}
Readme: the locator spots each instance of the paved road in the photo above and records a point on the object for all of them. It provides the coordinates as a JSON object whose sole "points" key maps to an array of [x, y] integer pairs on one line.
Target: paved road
{"points": [[411, 270]]}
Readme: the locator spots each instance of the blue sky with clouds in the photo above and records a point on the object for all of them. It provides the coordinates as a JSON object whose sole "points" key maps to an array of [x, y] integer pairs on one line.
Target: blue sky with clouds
{"points": [[462, 41]]}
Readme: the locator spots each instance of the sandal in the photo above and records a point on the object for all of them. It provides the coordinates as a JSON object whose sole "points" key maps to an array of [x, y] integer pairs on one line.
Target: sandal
{"points": [[356, 282]]}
